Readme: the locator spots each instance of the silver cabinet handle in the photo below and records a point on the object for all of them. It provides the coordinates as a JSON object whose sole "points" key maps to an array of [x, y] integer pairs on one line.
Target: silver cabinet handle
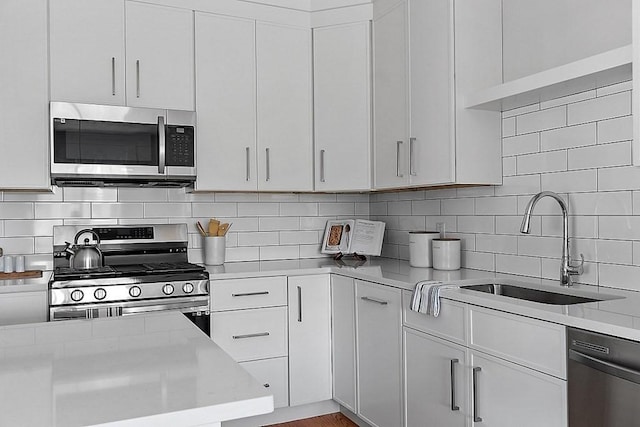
{"points": [[454, 407], [377, 301], [162, 141], [412, 171], [398, 174], [299, 304], [137, 78], [476, 418], [248, 158], [250, 294], [260, 334], [268, 162], [113, 75], [322, 166]]}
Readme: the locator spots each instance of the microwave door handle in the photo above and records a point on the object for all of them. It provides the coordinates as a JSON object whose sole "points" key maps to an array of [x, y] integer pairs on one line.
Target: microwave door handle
{"points": [[162, 141]]}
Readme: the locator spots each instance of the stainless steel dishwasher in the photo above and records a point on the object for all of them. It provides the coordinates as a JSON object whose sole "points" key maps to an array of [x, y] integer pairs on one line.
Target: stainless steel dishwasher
{"points": [[603, 380]]}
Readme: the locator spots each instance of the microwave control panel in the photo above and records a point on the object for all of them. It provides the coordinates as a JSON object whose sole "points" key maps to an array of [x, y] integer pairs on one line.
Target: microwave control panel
{"points": [[180, 145]]}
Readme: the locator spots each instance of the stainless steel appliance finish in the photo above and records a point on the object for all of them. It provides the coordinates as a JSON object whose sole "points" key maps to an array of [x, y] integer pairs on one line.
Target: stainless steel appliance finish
{"points": [[530, 294], [603, 380], [104, 145], [145, 269]]}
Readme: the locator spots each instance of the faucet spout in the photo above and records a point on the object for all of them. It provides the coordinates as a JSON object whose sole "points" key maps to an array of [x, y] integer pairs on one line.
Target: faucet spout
{"points": [[566, 270]]}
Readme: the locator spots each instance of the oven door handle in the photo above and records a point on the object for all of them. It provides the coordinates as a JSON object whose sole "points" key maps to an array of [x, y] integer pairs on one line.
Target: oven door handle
{"points": [[185, 307], [606, 367]]}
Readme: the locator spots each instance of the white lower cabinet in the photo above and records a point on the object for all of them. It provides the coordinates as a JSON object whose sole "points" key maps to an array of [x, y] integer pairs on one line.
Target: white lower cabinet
{"points": [[379, 349], [343, 338], [23, 307], [309, 339], [274, 375]]}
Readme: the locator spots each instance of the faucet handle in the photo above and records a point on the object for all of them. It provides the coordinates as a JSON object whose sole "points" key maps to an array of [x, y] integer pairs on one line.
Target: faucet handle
{"points": [[577, 269]]}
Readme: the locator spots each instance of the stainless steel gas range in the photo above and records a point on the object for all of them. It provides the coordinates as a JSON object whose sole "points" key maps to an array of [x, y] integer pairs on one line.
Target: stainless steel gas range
{"points": [[141, 268]]}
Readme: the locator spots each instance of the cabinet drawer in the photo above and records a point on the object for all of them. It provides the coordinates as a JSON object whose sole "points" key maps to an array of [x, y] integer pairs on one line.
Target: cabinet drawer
{"points": [[248, 293], [274, 375], [450, 324], [251, 334], [532, 343]]}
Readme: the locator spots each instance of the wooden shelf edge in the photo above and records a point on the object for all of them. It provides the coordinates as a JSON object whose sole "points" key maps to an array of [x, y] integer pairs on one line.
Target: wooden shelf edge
{"points": [[530, 89]]}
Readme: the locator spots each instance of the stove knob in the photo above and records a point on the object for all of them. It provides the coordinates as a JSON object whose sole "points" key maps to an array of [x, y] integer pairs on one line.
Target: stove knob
{"points": [[100, 294], [77, 295], [187, 288], [135, 291], [167, 289]]}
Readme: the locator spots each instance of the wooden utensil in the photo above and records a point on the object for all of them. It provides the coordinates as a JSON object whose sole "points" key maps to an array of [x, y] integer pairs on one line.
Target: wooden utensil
{"points": [[214, 224], [222, 230], [201, 229]]}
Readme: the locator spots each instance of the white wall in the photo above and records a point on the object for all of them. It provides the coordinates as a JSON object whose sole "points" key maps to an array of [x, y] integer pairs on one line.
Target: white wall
{"points": [[578, 146]]}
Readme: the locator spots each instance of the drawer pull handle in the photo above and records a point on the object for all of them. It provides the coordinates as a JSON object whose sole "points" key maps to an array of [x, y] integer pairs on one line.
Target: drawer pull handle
{"points": [[377, 301], [476, 418], [299, 304], [454, 407], [260, 334], [250, 294]]}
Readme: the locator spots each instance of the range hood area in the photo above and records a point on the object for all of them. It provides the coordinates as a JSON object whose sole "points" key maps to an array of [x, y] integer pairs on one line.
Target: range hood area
{"points": [[131, 182]]}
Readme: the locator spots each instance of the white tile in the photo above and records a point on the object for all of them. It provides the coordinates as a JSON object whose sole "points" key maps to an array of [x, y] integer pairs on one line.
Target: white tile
{"points": [[619, 276], [73, 194], [480, 191], [579, 226], [214, 210], [568, 99], [17, 245], [613, 130], [29, 228], [299, 209], [311, 251], [411, 223], [353, 197], [636, 253], [521, 265], [601, 156], [476, 224], [585, 247], [336, 209], [313, 223], [542, 120], [573, 181], [95, 222], [362, 209], [379, 208], [1, 228], [615, 88], [237, 224], [136, 221], [260, 238], [392, 222], [614, 251], [54, 196], [399, 208], [390, 251], [277, 197], [411, 195], [443, 193], [478, 261], [318, 197], [601, 203], [507, 205], [425, 207], [62, 210], [299, 237], [511, 225], [540, 246], [385, 197], [10, 210], [279, 252], [508, 126], [403, 252], [39, 261], [619, 178], [545, 206], [182, 195], [143, 195], [279, 223], [520, 110], [568, 137], [508, 166], [551, 271], [242, 254], [450, 223], [515, 185], [602, 108], [550, 161], [523, 144], [458, 206], [467, 240], [258, 209], [397, 237], [236, 197], [619, 227], [500, 244], [117, 210]]}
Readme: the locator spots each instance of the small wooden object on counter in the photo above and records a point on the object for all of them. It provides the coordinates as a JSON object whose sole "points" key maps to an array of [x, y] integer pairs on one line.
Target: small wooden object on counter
{"points": [[214, 224], [30, 274]]}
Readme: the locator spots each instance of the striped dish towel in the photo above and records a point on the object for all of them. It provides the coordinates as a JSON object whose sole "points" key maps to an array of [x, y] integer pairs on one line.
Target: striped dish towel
{"points": [[426, 297]]}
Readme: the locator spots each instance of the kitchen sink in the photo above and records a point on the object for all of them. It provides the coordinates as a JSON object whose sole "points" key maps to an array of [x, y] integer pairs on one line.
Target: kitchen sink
{"points": [[529, 294]]}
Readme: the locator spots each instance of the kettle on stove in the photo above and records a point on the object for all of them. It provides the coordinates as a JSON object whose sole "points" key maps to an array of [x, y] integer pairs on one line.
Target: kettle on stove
{"points": [[86, 256]]}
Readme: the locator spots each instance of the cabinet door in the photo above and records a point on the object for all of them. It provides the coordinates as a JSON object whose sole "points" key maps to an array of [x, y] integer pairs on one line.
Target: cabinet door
{"points": [[432, 144], [87, 51], [284, 108], [23, 307], [274, 376], [309, 339], [342, 107], [226, 103], [343, 337], [435, 381], [160, 65], [379, 320], [24, 95], [391, 99], [507, 394]]}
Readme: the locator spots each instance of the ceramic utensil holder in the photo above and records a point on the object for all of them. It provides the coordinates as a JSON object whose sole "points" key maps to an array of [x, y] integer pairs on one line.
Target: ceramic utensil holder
{"points": [[214, 250], [420, 248], [446, 254]]}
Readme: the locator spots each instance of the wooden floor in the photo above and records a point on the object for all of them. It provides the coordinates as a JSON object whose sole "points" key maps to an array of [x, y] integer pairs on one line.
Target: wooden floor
{"points": [[331, 420]]}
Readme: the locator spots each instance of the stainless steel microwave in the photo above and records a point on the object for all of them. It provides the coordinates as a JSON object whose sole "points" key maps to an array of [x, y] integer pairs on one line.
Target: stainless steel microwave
{"points": [[104, 145]]}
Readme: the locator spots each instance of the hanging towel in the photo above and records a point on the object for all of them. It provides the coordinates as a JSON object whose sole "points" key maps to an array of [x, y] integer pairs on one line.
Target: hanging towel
{"points": [[426, 297]]}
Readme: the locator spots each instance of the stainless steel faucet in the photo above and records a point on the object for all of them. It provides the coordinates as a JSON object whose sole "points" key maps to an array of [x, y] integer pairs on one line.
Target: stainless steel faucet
{"points": [[566, 270]]}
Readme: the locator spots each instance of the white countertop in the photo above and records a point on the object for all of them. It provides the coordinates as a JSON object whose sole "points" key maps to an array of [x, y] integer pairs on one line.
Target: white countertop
{"points": [[150, 370], [38, 284]]}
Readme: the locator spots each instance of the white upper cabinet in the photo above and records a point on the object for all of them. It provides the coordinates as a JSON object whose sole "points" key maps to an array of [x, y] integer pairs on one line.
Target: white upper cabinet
{"points": [[342, 107], [24, 93], [160, 65], [226, 103], [284, 108], [87, 51]]}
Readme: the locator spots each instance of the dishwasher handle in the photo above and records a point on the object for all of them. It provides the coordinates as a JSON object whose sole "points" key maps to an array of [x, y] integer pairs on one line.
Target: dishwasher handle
{"points": [[605, 366]]}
